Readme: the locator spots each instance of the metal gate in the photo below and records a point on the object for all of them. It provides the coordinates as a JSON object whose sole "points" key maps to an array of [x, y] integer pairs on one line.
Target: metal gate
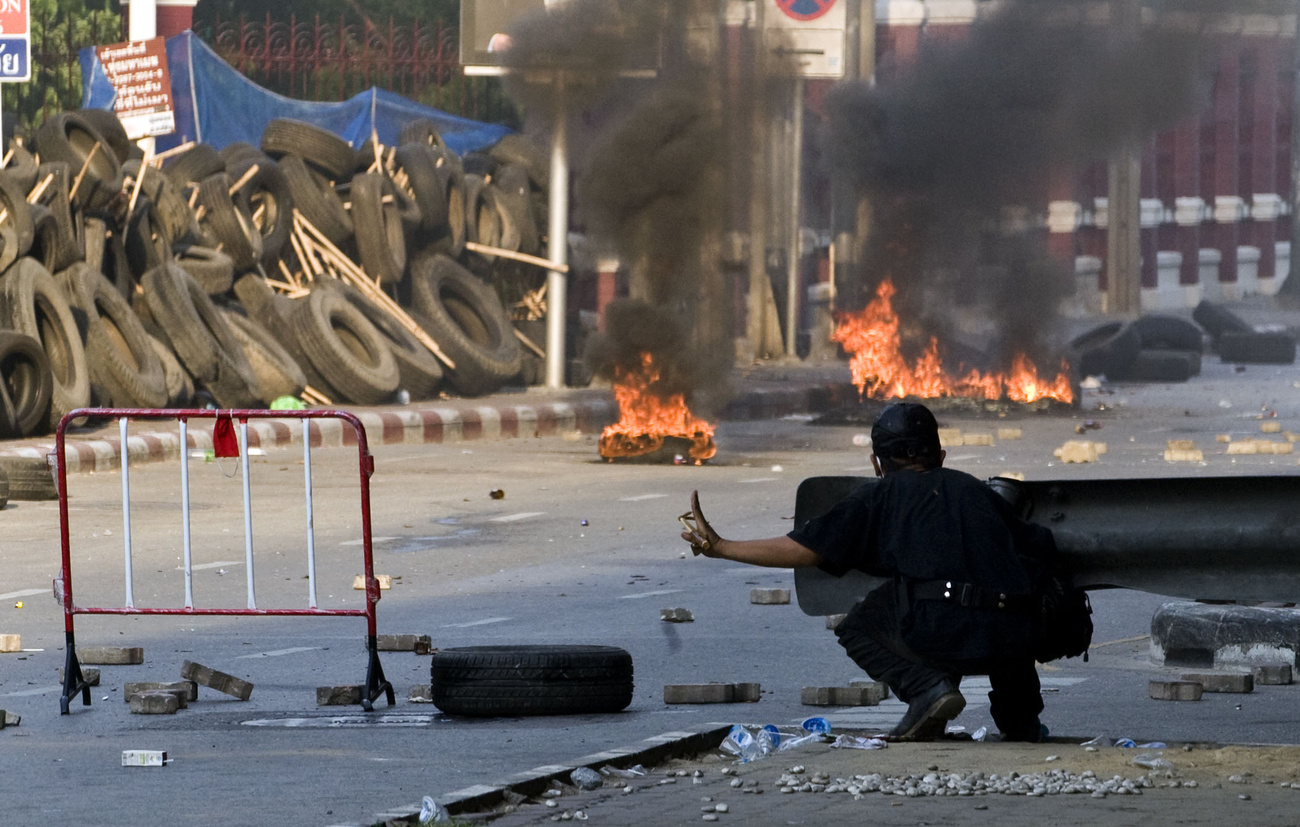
{"points": [[73, 680]]}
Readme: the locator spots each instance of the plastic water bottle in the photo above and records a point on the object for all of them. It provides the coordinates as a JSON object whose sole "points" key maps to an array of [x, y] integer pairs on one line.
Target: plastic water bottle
{"points": [[431, 812]]}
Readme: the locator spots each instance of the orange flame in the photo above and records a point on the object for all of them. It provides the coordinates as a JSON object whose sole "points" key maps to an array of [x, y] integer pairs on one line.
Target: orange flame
{"points": [[646, 417], [880, 370]]}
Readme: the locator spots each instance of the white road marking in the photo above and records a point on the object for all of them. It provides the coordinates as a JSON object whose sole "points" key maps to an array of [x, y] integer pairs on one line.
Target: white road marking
{"points": [[278, 652], [342, 721], [217, 565], [27, 593], [38, 691], [476, 623], [760, 479], [523, 515], [639, 497], [640, 595], [373, 540]]}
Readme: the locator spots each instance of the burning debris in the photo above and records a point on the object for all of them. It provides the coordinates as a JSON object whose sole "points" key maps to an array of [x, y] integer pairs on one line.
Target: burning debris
{"points": [[653, 424]]}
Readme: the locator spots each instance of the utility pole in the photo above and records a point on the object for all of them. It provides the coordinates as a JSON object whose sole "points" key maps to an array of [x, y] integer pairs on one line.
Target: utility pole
{"points": [[1123, 247], [759, 283], [850, 217], [1288, 295]]}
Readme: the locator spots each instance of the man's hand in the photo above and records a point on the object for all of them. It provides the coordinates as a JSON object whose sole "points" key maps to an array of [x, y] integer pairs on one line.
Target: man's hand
{"points": [[703, 539]]}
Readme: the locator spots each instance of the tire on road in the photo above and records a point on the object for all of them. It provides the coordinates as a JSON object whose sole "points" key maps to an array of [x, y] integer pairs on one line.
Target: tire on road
{"points": [[486, 681], [1257, 348], [465, 317], [1160, 332], [1153, 365], [1106, 350], [1219, 320]]}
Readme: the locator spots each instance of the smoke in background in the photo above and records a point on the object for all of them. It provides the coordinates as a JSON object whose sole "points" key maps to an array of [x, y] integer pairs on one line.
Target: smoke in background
{"points": [[958, 147], [650, 159]]}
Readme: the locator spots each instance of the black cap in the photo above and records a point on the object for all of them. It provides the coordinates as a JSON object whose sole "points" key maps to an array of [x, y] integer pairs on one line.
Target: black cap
{"points": [[905, 430]]}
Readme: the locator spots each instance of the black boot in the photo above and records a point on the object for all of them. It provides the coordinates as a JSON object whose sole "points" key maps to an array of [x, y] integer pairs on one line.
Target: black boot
{"points": [[929, 713]]}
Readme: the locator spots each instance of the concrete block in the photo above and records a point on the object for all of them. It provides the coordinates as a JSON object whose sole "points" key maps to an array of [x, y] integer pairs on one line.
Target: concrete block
{"points": [[1244, 447], [338, 695], [1223, 437], [862, 695], [676, 616], [769, 597], [155, 703], [219, 681], [419, 644], [977, 440], [186, 690], [1240, 683], [89, 674], [1180, 445], [1184, 456], [1174, 690], [385, 582], [111, 655], [882, 688], [11, 643], [1009, 433], [1273, 427], [747, 693], [699, 693], [1272, 674], [10, 719], [833, 621], [421, 693], [950, 437], [1076, 451]]}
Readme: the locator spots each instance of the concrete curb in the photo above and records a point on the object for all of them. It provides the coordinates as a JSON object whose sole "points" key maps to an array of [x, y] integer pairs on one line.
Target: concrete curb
{"points": [[437, 422], [1211, 635], [532, 782]]}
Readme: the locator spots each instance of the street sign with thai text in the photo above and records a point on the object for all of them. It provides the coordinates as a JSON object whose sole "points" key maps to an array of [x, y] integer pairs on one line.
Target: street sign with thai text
{"points": [[15, 40], [137, 71]]}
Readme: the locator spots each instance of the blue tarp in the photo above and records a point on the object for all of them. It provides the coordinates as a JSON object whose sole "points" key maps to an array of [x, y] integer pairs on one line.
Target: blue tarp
{"points": [[216, 105]]}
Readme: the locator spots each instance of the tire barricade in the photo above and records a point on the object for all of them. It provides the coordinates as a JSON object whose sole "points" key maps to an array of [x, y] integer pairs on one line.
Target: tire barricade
{"points": [[74, 681]]}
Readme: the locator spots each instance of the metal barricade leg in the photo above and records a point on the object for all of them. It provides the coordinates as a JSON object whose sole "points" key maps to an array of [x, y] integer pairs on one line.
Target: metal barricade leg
{"points": [[376, 684], [73, 680]]}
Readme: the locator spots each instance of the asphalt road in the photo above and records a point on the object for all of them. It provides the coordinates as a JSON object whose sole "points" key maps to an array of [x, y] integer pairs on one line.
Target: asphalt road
{"points": [[523, 569]]}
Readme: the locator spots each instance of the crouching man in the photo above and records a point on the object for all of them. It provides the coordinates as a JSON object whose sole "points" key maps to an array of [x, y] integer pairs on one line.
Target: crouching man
{"points": [[962, 567]]}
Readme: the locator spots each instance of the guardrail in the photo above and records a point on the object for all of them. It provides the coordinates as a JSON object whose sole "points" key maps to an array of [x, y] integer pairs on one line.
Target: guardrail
{"points": [[73, 680]]}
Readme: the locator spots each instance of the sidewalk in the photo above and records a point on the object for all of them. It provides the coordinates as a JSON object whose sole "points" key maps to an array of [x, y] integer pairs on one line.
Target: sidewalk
{"points": [[765, 392]]}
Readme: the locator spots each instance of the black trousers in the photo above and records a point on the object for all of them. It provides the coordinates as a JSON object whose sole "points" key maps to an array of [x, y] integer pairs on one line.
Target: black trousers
{"points": [[871, 636]]}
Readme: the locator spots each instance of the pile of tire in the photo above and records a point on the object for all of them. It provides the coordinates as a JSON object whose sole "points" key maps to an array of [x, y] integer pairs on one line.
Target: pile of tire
{"points": [[1152, 348], [1240, 343], [133, 284]]}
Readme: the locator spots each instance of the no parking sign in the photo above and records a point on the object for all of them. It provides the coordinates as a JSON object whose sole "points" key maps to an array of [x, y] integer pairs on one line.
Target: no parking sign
{"points": [[804, 9]]}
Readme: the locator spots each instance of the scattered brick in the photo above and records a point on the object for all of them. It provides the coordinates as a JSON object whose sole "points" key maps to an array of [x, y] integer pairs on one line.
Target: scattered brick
{"points": [[747, 693], [1270, 427], [185, 690], [1174, 690], [840, 695], [1172, 455], [419, 644], [421, 693], [89, 674], [1009, 433], [949, 437], [155, 703], [1223, 438], [1180, 445], [11, 643], [1223, 682], [10, 719], [111, 655], [338, 695], [769, 597], [882, 688], [385, 582], [977, 440], [219, 681], [1077, 451], [676, 615], [833, 621], [1272, 674], [699, 693]]}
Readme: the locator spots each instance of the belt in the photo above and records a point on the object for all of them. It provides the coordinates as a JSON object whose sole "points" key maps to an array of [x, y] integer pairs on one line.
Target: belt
{"points": [[972, 596]]}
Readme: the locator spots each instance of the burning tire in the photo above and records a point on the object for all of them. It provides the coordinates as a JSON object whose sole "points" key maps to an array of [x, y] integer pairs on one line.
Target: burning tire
{"points": [[465, 317], [487, 681], [1257, 348], [1106, 350]]}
